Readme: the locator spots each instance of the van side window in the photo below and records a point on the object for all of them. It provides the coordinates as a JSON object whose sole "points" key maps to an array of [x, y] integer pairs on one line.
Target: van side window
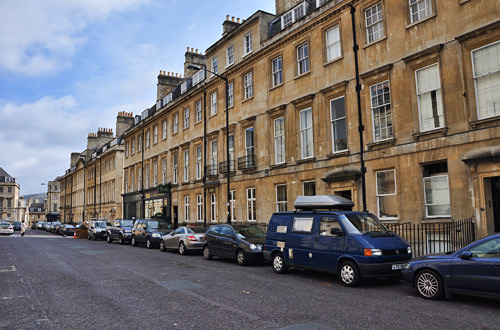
{"points": [[326, 226], [302, 225]]}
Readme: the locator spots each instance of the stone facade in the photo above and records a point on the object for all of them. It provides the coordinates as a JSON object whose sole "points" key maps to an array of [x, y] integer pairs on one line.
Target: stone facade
{"points": [[9, 196], [423, 105]]}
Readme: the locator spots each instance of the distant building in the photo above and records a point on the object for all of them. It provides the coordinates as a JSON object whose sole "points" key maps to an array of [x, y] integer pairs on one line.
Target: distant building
{"points": [[36, 211], [9, 196]]}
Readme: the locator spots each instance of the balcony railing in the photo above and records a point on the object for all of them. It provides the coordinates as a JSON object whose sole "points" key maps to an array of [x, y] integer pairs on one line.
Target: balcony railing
{"points": [[223, 167], [247, 162], [212, 170]]}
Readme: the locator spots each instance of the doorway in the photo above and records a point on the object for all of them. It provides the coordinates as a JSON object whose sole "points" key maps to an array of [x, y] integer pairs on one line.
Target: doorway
{"points": [[176, 216], [495, 202]]}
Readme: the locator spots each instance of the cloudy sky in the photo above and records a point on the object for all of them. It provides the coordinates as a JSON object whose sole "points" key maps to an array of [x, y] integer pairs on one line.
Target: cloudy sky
{"points": [[67, 67]]}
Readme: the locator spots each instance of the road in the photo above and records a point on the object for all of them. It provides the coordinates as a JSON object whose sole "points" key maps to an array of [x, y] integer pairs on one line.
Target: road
{"points": [[51, 282]]}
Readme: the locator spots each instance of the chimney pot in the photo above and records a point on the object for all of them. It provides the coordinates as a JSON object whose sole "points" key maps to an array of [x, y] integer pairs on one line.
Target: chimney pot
{"points": [[188, 49], [232, 18], [227, 17], [196, 51], [238, 19]]}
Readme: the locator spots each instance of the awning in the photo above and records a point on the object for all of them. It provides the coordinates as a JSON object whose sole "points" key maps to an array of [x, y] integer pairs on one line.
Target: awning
{"points": [[482, 154], [343, 173]]}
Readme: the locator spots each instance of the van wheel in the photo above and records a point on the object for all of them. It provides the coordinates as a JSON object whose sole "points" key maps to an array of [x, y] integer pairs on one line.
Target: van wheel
{"points": [[429, 285], [206, 253], [349, 274], [241, 258], [279, 265]]}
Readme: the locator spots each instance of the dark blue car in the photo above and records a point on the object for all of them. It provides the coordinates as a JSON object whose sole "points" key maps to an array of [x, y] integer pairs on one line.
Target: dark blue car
{"points": [[475, 270]]}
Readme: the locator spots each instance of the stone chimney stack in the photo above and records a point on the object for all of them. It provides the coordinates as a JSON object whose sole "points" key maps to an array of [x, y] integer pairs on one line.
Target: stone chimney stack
{"points": [[284, 5], [193, 57], [229, 25], [104, 135], [124, 121], [74, 159], [91, 141], [167, 83]]}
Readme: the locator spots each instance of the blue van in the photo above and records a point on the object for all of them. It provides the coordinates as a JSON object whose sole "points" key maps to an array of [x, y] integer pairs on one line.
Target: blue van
{"points": [[324, 234]]}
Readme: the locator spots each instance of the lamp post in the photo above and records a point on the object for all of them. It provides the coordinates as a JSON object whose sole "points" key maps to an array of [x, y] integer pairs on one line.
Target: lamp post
{"points": [[226, 81]]}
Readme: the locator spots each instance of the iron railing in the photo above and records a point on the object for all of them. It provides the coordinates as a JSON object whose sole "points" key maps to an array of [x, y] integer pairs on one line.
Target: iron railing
{"points": [[212, 170], [246, 162], [223, 167], [430, 238]]}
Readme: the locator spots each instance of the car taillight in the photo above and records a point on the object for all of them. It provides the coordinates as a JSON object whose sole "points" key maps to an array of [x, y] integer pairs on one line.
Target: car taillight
{"points": [[192, 238]]}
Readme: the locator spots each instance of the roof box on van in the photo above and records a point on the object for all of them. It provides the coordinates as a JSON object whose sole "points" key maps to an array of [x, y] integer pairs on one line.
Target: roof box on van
{"points": [[323, 202]]}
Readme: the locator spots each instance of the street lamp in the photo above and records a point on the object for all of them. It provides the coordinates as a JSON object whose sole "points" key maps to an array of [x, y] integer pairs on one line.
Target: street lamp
{"points": [[226, 81]]}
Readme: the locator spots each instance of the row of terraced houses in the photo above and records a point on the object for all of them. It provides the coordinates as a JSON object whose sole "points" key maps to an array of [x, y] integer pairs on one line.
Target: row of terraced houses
{"points": [[394, 104]]}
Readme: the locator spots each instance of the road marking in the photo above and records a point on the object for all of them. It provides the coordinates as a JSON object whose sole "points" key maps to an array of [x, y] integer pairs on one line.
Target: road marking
{"points": [[4, 269], [15, 297]]}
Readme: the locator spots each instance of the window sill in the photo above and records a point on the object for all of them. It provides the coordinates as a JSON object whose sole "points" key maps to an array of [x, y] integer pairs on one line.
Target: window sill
{"points": [[276, 166], [247, 54], [302, 75], [185, 128], [438, 219], [409, 26], [375, 42], [247, 100], [338, 154], [229, 65], [333, 60], [478, 122], [276, 87], [438, 131], [306, 160], [381, 142]]}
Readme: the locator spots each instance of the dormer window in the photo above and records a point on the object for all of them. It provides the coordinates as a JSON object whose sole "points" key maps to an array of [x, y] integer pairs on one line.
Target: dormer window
{"points": [[294, 14], [320, 3], [198, 76]]}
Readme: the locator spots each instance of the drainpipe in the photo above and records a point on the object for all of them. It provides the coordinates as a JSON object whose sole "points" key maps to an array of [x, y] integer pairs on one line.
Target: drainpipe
{"points": [[361, 127], [204, 158]]}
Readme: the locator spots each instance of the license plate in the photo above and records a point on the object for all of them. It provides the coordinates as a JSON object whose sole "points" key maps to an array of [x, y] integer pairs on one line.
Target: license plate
{"points": [[398, 266]]}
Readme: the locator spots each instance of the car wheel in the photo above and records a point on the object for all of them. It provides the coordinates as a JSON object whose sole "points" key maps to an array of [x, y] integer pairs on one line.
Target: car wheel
{"points": [[429, 285], [279, 265], [94, 237], [134, 242], [349, 275], [148, 243], [88, 236], [120, 239], [206, 253], [162, 246], [241, 258], [182, 248], [109, 239]]}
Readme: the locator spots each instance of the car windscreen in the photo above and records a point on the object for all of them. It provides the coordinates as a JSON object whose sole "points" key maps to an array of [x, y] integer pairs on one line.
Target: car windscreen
{"points": [[158, 225], [100, 224], [127, 223], [69, 227], [363, 223], [249, 232], [196, 230], [17, 223]]}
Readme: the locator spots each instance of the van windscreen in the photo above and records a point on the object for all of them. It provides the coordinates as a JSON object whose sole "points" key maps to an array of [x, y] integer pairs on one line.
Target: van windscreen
{"points": [[363, 223]]}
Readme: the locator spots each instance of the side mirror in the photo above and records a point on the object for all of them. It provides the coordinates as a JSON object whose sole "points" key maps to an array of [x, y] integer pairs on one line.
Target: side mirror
{"points": [[336, 232], [466, 255]]}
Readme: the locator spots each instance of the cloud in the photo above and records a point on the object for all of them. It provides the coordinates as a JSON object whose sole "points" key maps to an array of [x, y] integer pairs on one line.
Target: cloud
{"points": [[46, 34]]}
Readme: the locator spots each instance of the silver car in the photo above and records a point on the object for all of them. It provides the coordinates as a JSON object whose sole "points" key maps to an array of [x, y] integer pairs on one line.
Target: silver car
{"points": [[6, 228], [184, 239]]}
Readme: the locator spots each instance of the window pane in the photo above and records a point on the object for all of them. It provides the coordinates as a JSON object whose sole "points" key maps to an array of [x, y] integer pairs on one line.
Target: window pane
{"points": [[486, 64]]}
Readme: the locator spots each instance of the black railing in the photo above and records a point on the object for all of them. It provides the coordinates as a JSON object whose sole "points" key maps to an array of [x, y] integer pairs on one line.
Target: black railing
{"points": [[223, 167], [430, 238], [246, 162], [212, 170]]}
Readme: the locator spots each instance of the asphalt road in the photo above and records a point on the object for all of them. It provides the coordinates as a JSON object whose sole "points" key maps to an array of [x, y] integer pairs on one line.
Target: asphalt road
{"points": [[50, 282]]}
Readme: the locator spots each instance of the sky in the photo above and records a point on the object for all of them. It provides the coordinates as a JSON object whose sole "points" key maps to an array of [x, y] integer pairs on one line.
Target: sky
{"points": [[67, 67]]}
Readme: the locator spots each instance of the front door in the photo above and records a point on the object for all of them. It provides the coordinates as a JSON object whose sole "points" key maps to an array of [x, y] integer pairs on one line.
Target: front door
{"points": [[495, 194]]}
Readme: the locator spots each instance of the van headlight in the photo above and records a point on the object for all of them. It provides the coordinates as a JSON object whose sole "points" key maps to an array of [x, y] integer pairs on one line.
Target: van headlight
{"points": [[409, 250], [256, 248]]}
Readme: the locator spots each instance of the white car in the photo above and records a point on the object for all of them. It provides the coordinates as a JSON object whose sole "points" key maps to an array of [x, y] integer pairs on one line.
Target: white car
{"points": [[6, 228]]}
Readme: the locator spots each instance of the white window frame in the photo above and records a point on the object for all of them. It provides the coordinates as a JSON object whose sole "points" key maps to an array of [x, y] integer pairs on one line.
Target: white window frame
{"points": [[174, 168], [213, 103], [281, 202], [306, 132], [155, 134], [199, 208], [251, 205], [198, 162], [214, 66], [176, 123], [132, 146], [374, 23], [279, 141], [439, 99], [248, 85], [333, 124], [146, 177], [229, 55], [165, 170], [277, 71], [186, 208], [230, 94], [381, 195], [155, 174], [213, 207], [333, 48], [247, 43], [147, 138], [186, 165], [198, 116], [186, 117], [420, 9], [232, 203], [387, 108], [231, 152], [436, 176], [164, 129], [303, 58], [492, 106]]}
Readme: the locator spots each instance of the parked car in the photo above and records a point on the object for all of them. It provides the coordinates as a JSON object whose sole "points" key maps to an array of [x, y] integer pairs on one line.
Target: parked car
{"points": [[58, 228], [6, 228], [97, 229], [184, 239], [241, 242], [53, 227], [352, 244], [39, 225], [45, 224], [67, 229], [120, 230], [16, 225], [149, 232], [475, 270]]}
